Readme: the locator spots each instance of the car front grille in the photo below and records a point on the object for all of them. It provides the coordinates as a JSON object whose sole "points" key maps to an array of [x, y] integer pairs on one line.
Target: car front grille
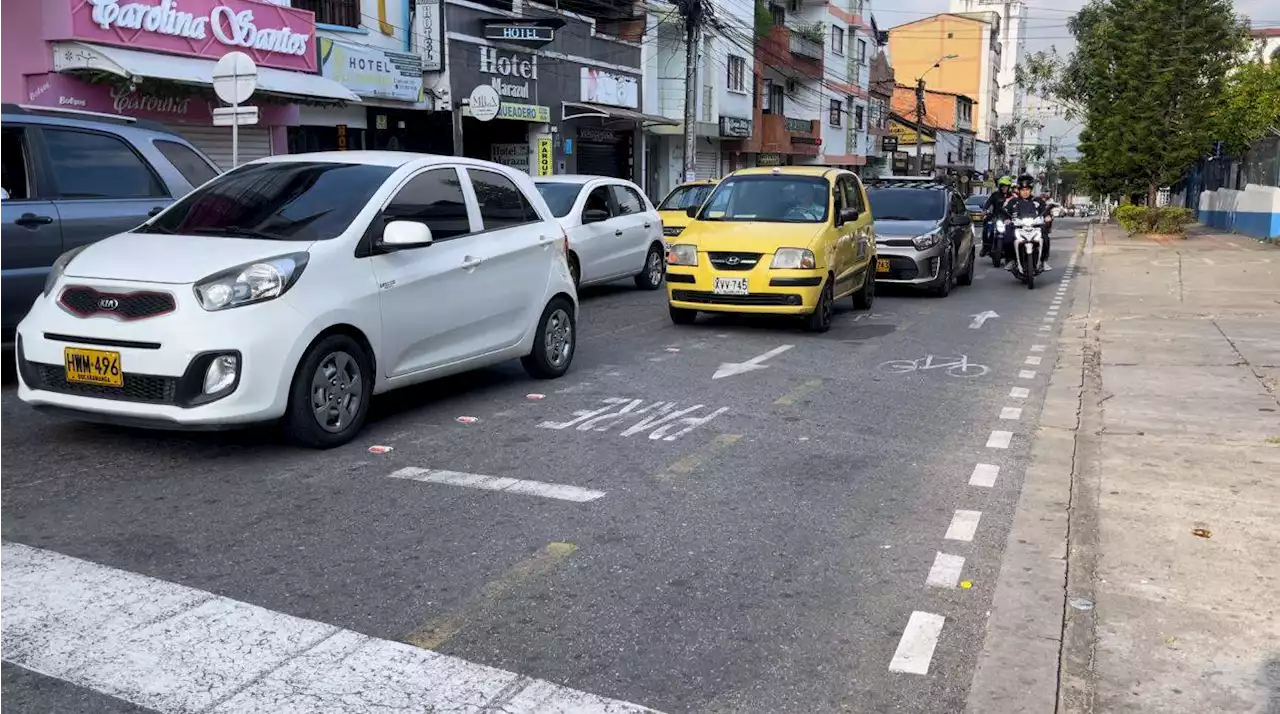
{"points": [[707, 298], [734, 261], [86, 302], [900, 269], [143, 388]]}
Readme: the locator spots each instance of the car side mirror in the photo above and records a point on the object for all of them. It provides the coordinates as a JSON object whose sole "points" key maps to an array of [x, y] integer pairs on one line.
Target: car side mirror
{"points": [[594, 215], [692, 211], [848, 215], [400, 235]]}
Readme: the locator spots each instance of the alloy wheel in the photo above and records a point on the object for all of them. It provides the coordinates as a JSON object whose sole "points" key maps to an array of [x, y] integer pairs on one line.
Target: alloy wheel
{"points": [[337, 391], [558, 338]]}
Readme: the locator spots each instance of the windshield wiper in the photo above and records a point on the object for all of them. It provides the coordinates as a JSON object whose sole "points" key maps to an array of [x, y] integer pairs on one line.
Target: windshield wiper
{"points": [[897, 218], [239, 232]]}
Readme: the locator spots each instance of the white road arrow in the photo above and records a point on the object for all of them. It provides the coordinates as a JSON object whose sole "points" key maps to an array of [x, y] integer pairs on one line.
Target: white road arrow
{"points": [[981, 318], [728, 369]]}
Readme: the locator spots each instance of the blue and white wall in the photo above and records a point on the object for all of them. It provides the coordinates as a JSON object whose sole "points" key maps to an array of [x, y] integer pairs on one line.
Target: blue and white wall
{"points": [[1255, 211]]}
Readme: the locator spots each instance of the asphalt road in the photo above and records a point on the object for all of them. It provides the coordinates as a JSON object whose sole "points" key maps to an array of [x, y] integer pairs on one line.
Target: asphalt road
{"points": [[761, 544]]}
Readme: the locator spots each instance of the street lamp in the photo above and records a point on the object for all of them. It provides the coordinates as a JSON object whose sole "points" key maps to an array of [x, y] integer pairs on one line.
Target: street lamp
{"points": [[920, 111]]}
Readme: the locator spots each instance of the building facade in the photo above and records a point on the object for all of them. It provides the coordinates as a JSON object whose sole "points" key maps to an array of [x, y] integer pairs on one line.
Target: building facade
{"points": [[967, 52], [949, 118], [154, 59]]}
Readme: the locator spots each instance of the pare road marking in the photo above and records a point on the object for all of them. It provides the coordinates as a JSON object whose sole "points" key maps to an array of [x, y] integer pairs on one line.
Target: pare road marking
{"points": [[666, 421]]}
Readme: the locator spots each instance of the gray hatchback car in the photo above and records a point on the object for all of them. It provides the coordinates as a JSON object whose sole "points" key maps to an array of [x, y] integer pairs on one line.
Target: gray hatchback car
{"points": [[72, 177], [924, 235]]}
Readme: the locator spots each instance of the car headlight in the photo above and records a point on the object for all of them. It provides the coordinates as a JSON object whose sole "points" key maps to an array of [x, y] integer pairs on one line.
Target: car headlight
{"points": [[928, 240], [793, 259], [59, 267], [250, 283], [683, 254]]}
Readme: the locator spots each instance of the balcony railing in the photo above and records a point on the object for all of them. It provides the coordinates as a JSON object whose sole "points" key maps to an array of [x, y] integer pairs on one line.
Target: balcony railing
{"points": [[805, 47], [333, 12]]}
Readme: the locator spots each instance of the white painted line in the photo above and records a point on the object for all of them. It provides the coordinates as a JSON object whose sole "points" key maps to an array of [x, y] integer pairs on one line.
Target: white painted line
{"points": [[945, 572], [559, 491], [1045, 328], [172, 648], [728, 369], [1037, 348], [1026, 374], [1011, 413], [1019, 392], [1032, 359], [915, 649], [963, 525], [1048, 319], [1051, 312], [999, 439], [984, 475], [982, 317]]}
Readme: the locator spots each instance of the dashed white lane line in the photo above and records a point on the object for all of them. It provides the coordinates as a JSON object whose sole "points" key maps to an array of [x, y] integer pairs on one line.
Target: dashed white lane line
{"points": [[1032, 360], [1045, 328], [964, 524], [1026, 374], [984, 475], [1037, 348], [945, 572], [1019, 392], [999, 439], [915, 649], [1011, 413], [559, 491], [172, 648], [1048, 319]]}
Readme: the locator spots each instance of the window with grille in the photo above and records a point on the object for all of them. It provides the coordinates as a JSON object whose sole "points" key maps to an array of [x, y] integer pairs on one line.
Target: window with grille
{"points": [[837, 40], [836, 111], [737, 74], [862, 51], [857, 118], [333, 12]]}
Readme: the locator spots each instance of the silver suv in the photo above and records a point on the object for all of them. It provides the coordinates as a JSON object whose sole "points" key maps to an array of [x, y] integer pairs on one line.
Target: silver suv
{"points": [[72, 177]]}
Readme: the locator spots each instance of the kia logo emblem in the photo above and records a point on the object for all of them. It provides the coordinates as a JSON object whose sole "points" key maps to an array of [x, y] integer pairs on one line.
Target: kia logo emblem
{"points": [[108, 303], [732, 260]]}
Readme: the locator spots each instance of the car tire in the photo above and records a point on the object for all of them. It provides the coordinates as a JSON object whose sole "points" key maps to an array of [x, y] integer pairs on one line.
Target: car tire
{"points": [[554, 343], [334, 376], [865, 297], [967, 278], [949, 268], [820, 319], [681, 316], [655, 269]]}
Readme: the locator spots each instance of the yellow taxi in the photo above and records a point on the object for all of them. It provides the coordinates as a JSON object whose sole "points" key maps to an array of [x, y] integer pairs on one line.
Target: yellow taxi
{"points": [[786, 240], [674, 208]]}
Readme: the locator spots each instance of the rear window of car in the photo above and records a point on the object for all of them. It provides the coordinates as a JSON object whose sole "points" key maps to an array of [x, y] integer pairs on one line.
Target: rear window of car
{"points": [[286, 200], [560, 197], [977, 201], [191, 165], [685, 196], [907, 204]]}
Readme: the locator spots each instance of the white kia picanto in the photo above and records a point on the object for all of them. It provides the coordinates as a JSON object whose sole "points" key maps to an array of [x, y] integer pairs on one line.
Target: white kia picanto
{"points": [[296, 287]]}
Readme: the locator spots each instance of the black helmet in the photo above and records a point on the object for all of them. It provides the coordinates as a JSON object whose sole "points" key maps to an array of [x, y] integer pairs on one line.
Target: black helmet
{"points": [[1026, 181]]}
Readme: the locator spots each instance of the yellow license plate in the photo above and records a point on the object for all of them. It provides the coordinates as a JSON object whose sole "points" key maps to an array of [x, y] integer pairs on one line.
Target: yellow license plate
{"points": [[93, 367], [882, 265]]}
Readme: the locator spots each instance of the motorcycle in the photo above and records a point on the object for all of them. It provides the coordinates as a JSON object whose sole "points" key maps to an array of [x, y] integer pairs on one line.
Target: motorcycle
{"points": [[997, 243], [1027, 242]]}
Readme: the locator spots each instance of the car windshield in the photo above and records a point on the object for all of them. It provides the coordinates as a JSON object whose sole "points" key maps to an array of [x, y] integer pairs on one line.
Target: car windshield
{"points": [[769, 199], [906, 204], [977, 202], [288, 200], [559, 196], [685, 196]]}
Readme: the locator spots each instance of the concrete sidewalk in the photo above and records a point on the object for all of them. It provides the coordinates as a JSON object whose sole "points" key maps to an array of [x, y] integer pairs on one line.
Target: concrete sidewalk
{"points": [[1158, 463]]}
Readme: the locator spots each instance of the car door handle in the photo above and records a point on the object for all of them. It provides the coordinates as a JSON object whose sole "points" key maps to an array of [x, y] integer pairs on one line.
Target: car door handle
{"points": [[471, 262], [31, 220], [647, 225], [155, 211], [617, 233]]}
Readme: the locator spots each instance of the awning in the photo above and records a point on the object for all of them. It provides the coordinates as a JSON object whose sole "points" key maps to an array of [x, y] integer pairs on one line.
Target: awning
{"points": [[73, 56], [579, 110]]}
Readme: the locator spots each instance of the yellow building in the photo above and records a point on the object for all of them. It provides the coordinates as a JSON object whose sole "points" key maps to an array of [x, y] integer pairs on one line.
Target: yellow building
{"points": [[974, 39]]}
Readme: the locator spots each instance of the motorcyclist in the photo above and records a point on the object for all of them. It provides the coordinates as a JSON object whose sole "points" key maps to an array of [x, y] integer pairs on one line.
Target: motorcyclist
{"points": [[994, 208], [1049, 206], [1021, 205]]}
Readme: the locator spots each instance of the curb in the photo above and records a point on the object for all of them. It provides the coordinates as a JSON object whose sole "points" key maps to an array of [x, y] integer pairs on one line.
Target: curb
{"points": [[1018, 669]]}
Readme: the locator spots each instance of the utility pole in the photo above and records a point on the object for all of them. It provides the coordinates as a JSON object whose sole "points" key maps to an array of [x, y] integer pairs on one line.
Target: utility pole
{"points": [[919, 122], [692, 12]]}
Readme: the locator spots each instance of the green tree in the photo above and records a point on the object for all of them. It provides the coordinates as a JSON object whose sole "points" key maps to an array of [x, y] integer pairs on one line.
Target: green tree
{"points": [[1249, 105], [1145, 78]]}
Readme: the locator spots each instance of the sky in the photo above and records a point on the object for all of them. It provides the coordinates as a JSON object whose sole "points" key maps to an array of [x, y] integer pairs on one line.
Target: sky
{"points": [[1046, 28]]}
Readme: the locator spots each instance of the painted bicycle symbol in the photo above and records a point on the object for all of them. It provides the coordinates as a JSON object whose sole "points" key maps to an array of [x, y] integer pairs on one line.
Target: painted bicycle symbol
{"points": [[955, 366]]}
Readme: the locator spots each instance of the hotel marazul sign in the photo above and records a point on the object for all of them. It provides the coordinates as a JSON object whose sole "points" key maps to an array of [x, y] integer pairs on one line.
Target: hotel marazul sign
{"points": [[508, 68]]}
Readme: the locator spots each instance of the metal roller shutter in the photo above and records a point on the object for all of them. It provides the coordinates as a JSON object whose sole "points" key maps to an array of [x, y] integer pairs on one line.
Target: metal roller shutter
{"points": [[707, 165], [600, 159], [215, 141]]}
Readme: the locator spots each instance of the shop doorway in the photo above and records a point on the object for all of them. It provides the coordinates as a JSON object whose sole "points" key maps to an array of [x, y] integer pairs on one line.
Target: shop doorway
{"points": [[410, 130]]}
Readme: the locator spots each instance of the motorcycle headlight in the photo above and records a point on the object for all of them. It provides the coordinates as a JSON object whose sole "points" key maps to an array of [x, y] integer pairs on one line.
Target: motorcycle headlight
{"points": [[59, 267], [683, 254], [793, 259], [928, 240], [250, 283]]}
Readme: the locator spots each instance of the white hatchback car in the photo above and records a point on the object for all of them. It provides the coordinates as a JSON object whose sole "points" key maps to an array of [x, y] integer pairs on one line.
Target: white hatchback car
{"points": [[614, 231], [297, 287]]}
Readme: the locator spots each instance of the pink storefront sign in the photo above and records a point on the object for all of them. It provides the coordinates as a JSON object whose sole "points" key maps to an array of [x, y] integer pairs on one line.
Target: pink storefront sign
{"points": [[61, 91], [273, 35]]}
